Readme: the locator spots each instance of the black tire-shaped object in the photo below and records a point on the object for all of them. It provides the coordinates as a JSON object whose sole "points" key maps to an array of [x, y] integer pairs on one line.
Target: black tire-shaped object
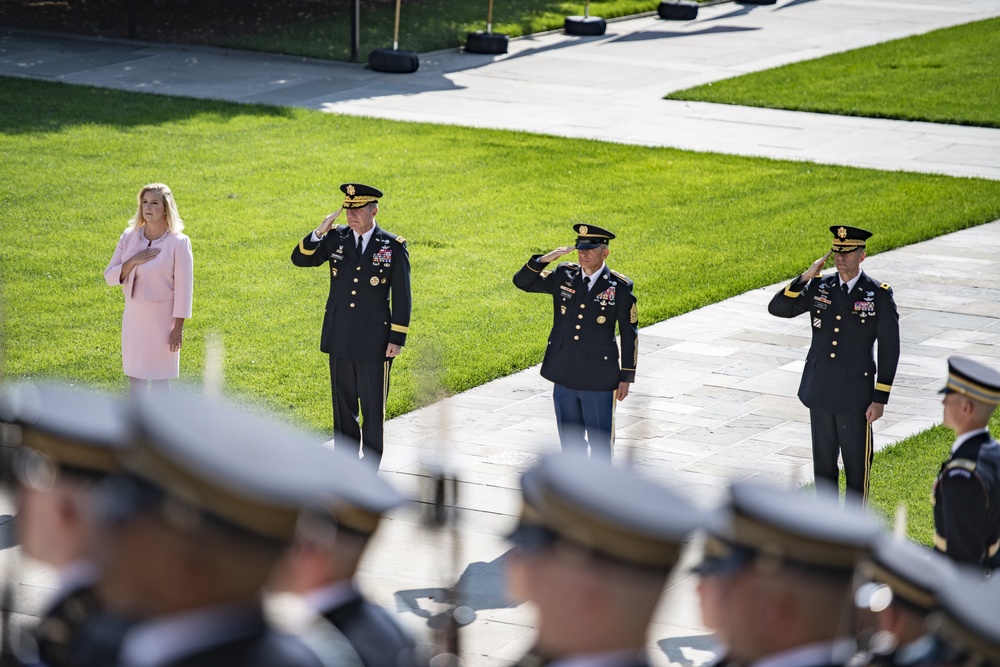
{"points": [[585, 25], [395, 61], [486, 42], [678, 11]]}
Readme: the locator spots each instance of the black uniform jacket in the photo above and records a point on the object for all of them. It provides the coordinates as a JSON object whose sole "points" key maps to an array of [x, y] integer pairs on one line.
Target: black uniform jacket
{"points": [[582, 353], [369, 302], [373, 634], [840, 371], [967, 503]]}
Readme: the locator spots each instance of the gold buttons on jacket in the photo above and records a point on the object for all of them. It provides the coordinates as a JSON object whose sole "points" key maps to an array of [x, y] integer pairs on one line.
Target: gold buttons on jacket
{"points": [[352, 305], [833, 355], [576, 338], [836, 330], [353, 292], [834, 342], [577, 326], [355, 280], [838, 317], [580, 316]]}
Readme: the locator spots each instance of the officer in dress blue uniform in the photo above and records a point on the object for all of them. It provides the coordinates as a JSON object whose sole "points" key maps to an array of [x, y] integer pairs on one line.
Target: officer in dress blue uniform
{"points": [[69, 437], [903, 593], [209, 497], [323, 562], [367, 314], [966, 492], [843, 387], [582, 357], [593, 548], [783, 562]]}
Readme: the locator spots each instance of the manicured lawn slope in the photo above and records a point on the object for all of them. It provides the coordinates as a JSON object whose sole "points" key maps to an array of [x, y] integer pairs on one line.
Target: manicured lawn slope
{"points": [[251, 181], [946, 76]]}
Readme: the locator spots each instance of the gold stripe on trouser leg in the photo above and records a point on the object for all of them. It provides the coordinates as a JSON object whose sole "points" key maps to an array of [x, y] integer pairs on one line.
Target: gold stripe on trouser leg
{"points": [[868, 464], [385, 387]]}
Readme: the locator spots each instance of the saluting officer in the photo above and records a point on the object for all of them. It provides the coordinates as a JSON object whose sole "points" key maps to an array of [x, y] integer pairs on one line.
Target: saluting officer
{"points": [[843, 387], [582, 357], [69, 440], [966, 493], [367, 313]]}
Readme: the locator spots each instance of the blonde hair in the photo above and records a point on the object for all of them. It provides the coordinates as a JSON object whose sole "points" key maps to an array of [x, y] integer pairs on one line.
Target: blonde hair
{"points": [[174, 222]]}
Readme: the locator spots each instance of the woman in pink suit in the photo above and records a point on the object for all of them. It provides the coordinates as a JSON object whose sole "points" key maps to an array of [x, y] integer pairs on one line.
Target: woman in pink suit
{"points": [[154, 266]]}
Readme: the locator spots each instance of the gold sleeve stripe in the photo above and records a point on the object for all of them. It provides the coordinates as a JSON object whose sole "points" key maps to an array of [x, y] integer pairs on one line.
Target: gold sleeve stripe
{"points": [[303, 250], [790, 292], [883, 387], [399, 328], [528, 266]]}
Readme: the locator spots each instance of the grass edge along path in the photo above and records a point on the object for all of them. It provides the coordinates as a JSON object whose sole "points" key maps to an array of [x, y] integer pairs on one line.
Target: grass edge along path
{"points": [[904, 472], [945, 76], [252, 180]]}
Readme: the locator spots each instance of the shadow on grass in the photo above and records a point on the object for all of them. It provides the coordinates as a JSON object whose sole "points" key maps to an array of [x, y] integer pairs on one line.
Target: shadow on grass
{"points": [[33, 106]]}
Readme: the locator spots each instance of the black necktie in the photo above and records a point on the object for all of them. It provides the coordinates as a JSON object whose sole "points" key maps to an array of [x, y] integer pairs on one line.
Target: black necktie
{"points": [[847, 290], [586, 283], [360, 244]]}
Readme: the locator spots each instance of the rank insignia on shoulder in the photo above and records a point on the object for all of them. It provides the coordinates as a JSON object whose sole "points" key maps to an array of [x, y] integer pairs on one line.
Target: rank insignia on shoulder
{"points": [[885, 286], [546, 273], [400, 239], [621, 276], [573, 265]]}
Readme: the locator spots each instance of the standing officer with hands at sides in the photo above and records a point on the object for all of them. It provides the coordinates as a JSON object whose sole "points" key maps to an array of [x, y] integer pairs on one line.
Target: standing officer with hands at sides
{"points": [[367, 313], [842, 386], [582, 357], [966, 493]]}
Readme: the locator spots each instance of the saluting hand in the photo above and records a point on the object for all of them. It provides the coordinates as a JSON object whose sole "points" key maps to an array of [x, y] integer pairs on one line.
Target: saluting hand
{"points": [[816, 268], [328, 222], [555, 254]]}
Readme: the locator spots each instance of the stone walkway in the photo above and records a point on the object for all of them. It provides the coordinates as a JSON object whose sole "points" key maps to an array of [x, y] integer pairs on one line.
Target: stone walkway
{"points": [[714, 400]]}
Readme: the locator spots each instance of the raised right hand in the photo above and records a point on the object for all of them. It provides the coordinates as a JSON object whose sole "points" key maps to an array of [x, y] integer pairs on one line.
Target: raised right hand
{"points": [[143, 256], [816, 268], [328, 222], [555, 254]]}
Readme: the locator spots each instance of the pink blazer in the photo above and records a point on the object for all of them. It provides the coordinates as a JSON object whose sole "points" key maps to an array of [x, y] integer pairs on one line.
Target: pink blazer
{"points": [[169, 275]]}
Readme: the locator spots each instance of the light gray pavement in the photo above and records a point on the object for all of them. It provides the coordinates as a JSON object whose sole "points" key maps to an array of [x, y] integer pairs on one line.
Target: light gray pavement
{"points": [[715, 396], [607, 88]]}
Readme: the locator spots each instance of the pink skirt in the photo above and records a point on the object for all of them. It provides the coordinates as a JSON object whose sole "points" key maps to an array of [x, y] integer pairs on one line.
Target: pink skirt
{"points": [[146, 327]]}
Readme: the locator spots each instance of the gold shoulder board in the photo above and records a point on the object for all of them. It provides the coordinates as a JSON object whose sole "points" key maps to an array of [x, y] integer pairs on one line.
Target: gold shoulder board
{"points": [[621, 276], [546, 273], [885, 286], [400, 239], [964, 464]]}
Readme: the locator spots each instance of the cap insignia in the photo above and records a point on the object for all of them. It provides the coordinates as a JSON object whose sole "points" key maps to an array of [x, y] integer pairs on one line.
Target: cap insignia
{"points": [[583, 230], [841, 233], [350, 190]]}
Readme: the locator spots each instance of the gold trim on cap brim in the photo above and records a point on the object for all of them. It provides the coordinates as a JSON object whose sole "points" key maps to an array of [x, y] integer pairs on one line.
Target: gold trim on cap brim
{"points": [[257, 516], [966, 387], [69, 452], [775, 542]]}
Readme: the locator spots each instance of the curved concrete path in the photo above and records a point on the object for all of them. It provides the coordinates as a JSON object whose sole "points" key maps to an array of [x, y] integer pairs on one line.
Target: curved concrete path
{"points": [[607, 88], [715, 396]]}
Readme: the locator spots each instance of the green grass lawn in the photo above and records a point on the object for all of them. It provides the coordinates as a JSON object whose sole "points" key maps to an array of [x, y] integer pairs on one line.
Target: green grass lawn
{"points": [[904, 473], [252, 180], [429, 25], [946, 76]]}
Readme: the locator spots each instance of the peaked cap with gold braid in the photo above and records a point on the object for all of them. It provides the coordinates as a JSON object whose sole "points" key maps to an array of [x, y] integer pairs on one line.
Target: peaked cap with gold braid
{"points": [[848, 239], [358, 195], [974, 380], [609, 512]]}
